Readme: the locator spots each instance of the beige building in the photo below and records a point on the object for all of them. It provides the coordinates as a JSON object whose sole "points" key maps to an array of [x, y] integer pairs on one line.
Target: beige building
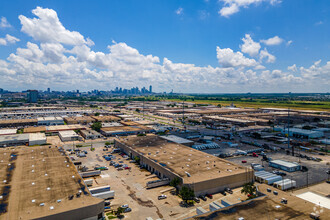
{"points": [[200, 171], [44, 184], [90, 134]]}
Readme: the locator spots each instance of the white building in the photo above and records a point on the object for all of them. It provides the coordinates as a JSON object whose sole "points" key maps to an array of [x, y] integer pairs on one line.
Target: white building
{"points": [[51, 120], [37, 139], [68, 136], [90, 134], [8, 131]]}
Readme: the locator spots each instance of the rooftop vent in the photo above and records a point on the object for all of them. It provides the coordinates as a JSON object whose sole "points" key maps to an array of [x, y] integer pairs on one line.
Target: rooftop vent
{"points": [[33, 200], [48, 188], [42, 204], [51, 208]]}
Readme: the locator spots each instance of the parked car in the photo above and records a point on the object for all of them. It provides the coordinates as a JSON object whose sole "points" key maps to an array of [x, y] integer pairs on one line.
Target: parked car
{"points": [[223, 193], [105, 149], [244, 161], [197, 200], [209, 196], [162, 197], [127, 210], [127, 168], [203, 198], [107, 203], [228, 190], [120, 168], [124, 206]]}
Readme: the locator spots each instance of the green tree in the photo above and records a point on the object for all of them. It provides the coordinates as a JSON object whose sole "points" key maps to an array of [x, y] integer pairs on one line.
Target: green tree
{"points": [[119, 211], [175, 182], [137, 159], [97, 126], [250, 189], [137, 110], [219, 105], [186, 194], [107, 143], [97, 114]]}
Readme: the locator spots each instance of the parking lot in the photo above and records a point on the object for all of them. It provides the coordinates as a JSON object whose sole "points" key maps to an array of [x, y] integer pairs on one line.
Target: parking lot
{"points": [[316, 170], [130, 188]]}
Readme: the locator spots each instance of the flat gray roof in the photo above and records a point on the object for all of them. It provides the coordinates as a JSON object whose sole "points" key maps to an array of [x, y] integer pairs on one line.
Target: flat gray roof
{"points": [[177, 139], [284, 163]]}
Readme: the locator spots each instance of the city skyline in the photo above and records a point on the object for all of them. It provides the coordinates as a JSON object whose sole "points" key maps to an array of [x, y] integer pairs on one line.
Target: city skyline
{"points": [[263, 47]]}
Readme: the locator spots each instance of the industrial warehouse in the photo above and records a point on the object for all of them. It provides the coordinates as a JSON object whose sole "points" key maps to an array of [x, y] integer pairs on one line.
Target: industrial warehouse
{"points": [[201, 172], [41, 183]]}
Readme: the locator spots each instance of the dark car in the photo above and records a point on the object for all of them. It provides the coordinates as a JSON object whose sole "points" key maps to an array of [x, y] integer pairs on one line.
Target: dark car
{"points": [[209, 196], [223, 193], [228, 190], [304, 169], [197, 200], [203, 198]]}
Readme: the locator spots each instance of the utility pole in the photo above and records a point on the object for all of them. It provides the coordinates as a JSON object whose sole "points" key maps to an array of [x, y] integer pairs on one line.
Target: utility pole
{"points": [[183, 116], [143, 109], [289, 133]]}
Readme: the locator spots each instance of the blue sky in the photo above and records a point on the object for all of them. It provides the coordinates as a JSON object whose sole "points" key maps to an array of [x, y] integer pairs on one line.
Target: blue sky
{"points": [[181, 38]]}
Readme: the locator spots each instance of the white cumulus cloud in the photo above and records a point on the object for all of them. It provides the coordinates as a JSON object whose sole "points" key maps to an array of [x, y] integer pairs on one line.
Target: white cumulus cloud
{"points": [[179, 11], [273, 41], [293, 68], [231, 7], [8, 40], [4, 23], [249, 46], [228, 58], [269, 57], [47, 28]]}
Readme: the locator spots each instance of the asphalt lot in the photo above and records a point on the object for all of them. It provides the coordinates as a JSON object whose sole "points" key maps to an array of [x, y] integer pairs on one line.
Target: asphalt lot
{"points": [[130, 188], [315, 174]]}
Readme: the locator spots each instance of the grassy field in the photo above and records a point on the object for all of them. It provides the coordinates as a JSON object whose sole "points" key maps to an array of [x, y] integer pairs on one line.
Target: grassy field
{"points": [[303, 105]]}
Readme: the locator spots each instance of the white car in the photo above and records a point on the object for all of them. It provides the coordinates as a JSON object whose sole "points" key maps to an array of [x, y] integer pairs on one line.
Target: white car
{"points": [[125, 206], [162, 197]]}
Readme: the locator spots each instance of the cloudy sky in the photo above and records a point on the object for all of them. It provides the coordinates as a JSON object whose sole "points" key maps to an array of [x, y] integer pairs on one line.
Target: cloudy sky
{"points": [[200, 46]]}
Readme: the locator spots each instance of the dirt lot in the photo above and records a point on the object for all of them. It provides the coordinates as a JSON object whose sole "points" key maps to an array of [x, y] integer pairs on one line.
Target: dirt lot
{"points": [[130, 188]]}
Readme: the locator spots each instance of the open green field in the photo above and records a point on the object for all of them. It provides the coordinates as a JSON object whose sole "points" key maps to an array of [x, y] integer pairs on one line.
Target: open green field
{"points": [[302, 105]]}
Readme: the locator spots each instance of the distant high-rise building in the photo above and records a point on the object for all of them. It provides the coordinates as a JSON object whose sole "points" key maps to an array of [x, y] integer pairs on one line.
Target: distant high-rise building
{"points": [[32, 96], [48, 90], [77, 90], [150, 89]]}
